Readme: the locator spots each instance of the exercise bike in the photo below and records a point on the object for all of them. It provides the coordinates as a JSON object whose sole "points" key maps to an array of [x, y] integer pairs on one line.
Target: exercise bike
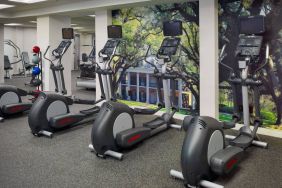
{"points": [[204, 154], [114, 129]]}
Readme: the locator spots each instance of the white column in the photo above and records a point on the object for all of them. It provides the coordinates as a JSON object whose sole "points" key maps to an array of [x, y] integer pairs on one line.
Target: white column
{"points": [[2, 72], [208, 58], [49, 32], [128, 86], [137, 86], [103, 18], [147, 88]]}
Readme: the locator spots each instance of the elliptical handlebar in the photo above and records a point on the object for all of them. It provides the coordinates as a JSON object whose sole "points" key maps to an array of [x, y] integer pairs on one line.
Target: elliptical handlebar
{"points": [[266, 59], [221, 57], [152, 64], [45, 53]]}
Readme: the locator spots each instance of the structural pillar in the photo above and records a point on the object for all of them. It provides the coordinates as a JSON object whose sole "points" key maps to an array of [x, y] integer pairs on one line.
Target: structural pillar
{"points": [[103, 18], [137, 87], [2, 72], [209, 58], [49, 33]]}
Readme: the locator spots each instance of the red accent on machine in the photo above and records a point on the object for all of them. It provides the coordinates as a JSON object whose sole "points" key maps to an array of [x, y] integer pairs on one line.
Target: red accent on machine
{"points": [[134, 138], [66, 121], [231, 163], [16, 109]]}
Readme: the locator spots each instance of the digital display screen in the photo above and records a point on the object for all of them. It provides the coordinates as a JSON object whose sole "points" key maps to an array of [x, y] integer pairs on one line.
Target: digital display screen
{"points": [[252, 25], [173, 28], [67, 33], [114, 31]]}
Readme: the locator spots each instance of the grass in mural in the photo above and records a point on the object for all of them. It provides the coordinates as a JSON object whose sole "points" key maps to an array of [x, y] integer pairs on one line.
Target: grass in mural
{"points": [[268, 117], [141, 104]]}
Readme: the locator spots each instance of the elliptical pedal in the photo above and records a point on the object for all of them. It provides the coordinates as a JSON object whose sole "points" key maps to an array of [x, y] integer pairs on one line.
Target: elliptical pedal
{"points": [[90, 111], [243, 141], [155, 123]]}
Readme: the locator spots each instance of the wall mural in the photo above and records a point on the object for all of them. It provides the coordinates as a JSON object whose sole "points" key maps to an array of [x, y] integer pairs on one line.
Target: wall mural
{"points": [[271, 91], [142, 26]]}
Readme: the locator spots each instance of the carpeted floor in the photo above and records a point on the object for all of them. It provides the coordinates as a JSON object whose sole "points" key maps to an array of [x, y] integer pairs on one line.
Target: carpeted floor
{"points": [[65, 160]]}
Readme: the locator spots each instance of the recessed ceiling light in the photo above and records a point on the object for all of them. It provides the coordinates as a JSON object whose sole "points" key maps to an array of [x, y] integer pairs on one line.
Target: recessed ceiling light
{"points": [[93, 15], [33, 22], [78, 28], [3, 6], [27, 1], [13, 24]]}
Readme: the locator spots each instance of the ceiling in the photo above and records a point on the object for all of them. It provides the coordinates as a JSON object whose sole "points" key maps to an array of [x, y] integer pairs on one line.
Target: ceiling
{"points": [[78, 10], [24, 6], [80, 20]]}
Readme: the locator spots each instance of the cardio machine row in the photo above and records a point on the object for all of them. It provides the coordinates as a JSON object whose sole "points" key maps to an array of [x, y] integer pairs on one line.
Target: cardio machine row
{"points": [[204, 154], [50, 111]]}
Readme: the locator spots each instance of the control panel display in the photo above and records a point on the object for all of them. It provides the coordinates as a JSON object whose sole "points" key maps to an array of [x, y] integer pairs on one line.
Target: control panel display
{"points": [[172, 28], [63, 46], [252, 25], [109, 47], [249, 45], [114, 32], [67, 33], [169, 46]]}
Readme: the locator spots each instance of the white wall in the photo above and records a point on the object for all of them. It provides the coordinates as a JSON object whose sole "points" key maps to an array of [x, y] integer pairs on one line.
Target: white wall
{"points": [[25, 38]]}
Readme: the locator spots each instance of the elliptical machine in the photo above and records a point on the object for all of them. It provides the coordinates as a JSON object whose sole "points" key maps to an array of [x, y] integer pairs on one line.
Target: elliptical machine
{"points": [[114, 128], [11, 101], [11, 98], [50, 112], [204, 154]]}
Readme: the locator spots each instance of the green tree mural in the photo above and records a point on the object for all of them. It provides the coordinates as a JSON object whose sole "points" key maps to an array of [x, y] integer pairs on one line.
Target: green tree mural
{"points": [[272, 75], [142, 26]]}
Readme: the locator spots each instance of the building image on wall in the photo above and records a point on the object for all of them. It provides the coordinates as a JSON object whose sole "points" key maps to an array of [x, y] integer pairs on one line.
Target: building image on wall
{"points": [[139, 84]]}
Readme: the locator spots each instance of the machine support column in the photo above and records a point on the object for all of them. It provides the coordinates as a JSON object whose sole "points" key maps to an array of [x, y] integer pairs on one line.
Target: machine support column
{"points": [[103, 18], [209, 58]]}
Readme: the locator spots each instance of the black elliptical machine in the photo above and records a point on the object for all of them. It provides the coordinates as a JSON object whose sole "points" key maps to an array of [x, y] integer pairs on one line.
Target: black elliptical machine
{"points": [[204, 154], [114, 129], [11, 101], [50, 112], [11, 97]]}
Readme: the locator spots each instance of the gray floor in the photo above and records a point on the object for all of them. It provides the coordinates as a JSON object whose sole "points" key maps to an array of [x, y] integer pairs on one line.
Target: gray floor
{"points": [[65, 161]]}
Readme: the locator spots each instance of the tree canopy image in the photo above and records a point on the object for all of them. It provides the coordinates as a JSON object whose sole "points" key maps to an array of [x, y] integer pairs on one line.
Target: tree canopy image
{"points": [[142, 27], [229, 11]]}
